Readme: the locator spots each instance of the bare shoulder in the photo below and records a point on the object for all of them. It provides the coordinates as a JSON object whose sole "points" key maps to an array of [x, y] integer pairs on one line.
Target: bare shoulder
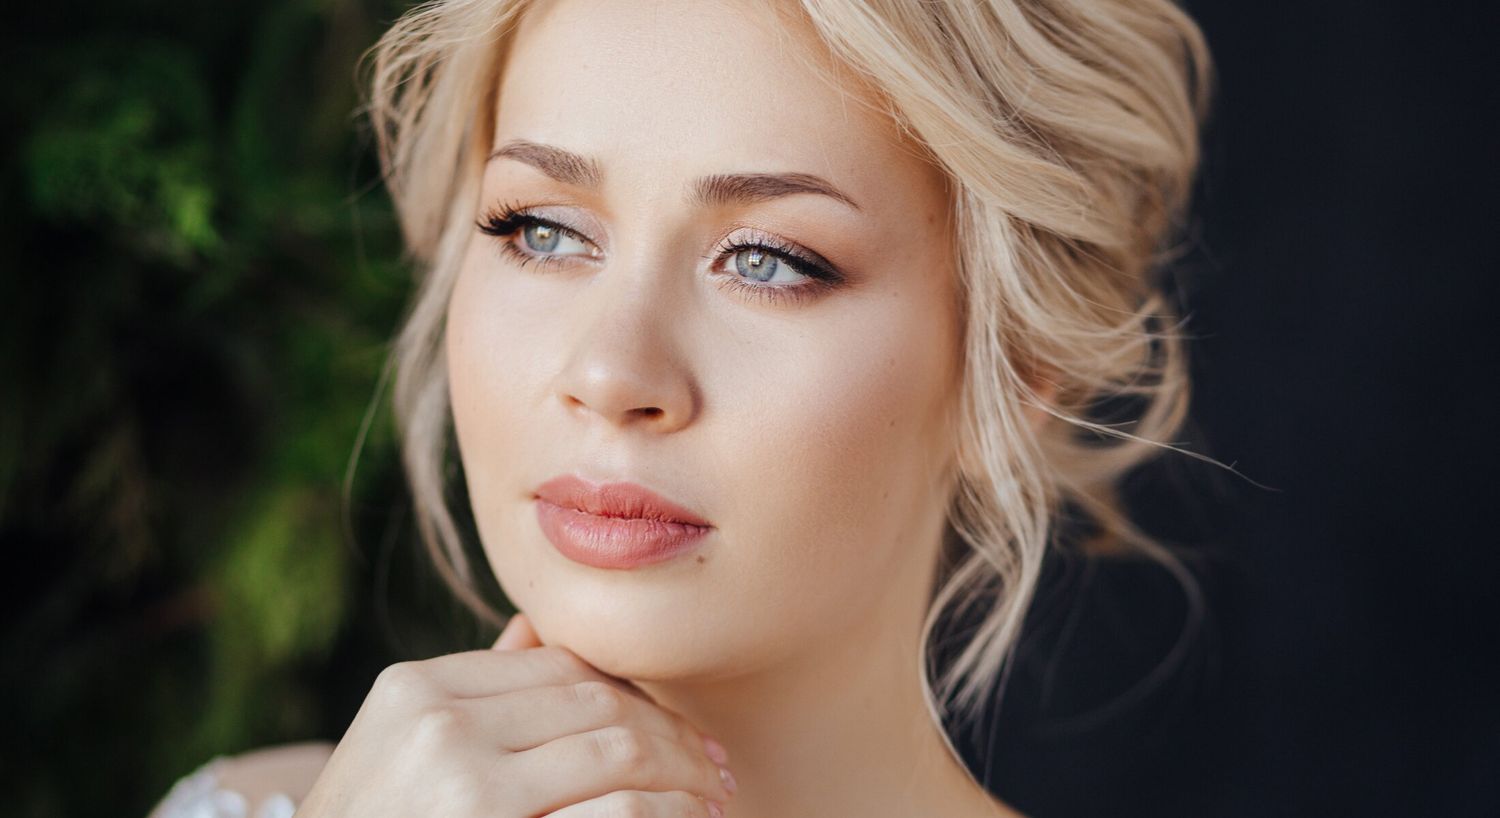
{"points": [[268, 781]]}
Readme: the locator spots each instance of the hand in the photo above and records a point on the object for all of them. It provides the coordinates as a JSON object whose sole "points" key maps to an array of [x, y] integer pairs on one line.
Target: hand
{"points": [[518, 731]]}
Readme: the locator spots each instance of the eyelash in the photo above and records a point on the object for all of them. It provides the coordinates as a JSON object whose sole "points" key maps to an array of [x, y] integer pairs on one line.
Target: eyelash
{"points": [[505, 221]]}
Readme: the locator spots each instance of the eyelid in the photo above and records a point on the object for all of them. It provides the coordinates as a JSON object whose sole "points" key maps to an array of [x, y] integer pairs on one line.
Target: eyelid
{"points": [[807, 262], [507, 223], [545, 214], [560, 224], [820, 274], [571, 231]]}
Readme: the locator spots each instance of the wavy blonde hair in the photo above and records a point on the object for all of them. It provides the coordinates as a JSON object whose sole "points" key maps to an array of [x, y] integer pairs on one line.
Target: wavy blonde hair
{"points": [[1068, 130]]}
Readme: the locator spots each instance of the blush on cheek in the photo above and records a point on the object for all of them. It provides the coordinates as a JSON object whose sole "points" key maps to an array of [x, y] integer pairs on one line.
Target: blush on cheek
{"points": [[843, 477]]}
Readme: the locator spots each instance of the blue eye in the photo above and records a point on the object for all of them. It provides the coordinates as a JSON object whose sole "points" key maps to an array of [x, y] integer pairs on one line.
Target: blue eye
{"points": [[543, 237], [546, 242], [765, 258], [758, 265], [766, 269]]}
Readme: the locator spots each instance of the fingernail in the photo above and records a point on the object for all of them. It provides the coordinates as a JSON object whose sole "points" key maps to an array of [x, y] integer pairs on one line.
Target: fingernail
{"points": [[728, 778], [715, 751], [716, 809]]}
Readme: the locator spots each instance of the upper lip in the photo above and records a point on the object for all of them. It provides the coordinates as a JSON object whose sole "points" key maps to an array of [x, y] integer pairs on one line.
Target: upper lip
{"points": [[617, 499]]}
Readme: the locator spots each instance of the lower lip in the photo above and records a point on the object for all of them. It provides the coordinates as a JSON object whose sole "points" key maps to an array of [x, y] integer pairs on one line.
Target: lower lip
{"points": [[615, 542]]}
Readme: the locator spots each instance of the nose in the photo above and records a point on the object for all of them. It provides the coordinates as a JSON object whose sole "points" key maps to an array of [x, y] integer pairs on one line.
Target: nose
{"points": [[624, 366]]}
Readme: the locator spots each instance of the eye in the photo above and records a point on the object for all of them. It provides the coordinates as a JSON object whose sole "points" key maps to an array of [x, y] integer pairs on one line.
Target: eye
{"points": [[756, 264], [768, 268], [536, 239], [542, 237], [762, 266]]}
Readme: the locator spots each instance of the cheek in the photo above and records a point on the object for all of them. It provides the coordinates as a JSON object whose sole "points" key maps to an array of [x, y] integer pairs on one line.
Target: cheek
{"points": [[494, 338], [834, 462], [484, 375]]}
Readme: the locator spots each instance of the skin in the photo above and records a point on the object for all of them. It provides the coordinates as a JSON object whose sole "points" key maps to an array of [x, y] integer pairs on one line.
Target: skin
{"points": [[814, 433], [520, 731]]}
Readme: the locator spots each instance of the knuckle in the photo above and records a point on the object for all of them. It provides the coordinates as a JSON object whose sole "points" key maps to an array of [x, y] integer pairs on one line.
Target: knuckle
{"points": [[401, 680], [439, 725], [622, 749], [603, 699]]}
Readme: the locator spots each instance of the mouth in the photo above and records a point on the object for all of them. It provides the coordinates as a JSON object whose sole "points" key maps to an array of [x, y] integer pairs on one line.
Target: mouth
{"points": [[615, 525]]}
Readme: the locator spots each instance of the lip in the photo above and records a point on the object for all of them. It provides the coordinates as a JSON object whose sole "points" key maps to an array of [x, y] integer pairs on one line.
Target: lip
{"points": [[619, 525]]}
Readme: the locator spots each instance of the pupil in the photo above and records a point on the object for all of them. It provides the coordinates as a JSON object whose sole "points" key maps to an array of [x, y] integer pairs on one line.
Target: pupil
{"points": [[759, 265], [541, 237]]}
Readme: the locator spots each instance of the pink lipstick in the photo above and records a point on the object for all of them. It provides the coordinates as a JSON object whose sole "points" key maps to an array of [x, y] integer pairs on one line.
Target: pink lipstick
{"points": [[615, 525]]}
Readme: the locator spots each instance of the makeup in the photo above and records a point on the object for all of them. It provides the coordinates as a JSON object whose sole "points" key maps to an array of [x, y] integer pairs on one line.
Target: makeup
{"points": [[615, 526]]}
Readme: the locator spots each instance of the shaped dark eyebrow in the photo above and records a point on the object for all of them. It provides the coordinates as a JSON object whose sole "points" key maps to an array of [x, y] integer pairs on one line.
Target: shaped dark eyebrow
{"points": [[564, 166], [727, 188], [718, 189]]}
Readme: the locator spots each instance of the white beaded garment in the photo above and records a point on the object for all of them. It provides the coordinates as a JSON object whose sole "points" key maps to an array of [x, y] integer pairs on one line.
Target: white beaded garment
{"points": [[199, 795]]}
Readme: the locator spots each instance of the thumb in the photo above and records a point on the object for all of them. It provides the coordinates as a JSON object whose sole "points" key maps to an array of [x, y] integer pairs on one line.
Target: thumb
{"points": [[517, 634]]}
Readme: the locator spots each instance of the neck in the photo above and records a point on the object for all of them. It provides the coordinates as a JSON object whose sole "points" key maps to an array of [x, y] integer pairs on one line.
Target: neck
{"points": [[841, 729]]}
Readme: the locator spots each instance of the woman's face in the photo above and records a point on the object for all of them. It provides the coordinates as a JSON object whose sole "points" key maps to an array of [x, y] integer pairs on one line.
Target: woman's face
{"points": [[807, 420]]}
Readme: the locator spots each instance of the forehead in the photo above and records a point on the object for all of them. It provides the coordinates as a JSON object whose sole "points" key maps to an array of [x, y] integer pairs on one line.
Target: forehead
{"points": [[697, 87]]}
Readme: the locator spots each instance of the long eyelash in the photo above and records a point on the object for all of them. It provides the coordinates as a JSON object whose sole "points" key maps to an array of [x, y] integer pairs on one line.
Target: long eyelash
{"points": [[806, 262], [821, 274], [506, 219]]}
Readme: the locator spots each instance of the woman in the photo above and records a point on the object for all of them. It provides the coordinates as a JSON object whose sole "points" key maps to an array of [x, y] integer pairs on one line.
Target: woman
{"points": [[769, 335]]}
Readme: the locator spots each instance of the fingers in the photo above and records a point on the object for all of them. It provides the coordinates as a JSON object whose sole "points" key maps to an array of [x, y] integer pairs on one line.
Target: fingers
{"points": [[477, 673], [643, 804], [530, 717], [583, 766], [518, 633]]}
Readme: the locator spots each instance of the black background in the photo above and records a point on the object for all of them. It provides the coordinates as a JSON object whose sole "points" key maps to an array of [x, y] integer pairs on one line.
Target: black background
{"points": [[1343, 288]]}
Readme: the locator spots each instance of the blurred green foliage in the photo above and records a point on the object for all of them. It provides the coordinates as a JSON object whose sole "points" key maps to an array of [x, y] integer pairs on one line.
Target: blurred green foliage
{"points": [[201, 276]]}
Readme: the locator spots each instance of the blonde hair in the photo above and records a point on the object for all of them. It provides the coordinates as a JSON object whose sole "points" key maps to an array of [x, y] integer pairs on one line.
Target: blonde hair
{"points": [[1069, 132]]}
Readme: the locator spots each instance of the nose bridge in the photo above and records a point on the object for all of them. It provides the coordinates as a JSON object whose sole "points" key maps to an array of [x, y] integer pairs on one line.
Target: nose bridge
{"points": [[624, 365]]}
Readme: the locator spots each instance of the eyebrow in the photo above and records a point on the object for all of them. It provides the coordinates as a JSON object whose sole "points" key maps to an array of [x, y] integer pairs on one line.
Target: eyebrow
{"points": [[718, 189], [564, 166]]}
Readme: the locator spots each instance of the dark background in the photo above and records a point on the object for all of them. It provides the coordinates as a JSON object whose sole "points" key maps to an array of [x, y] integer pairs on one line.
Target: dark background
{"points": [[200, 277]]}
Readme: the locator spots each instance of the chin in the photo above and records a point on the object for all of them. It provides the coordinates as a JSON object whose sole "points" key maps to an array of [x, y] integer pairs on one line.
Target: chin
{"points": [[642, 634], [674, 621]]}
